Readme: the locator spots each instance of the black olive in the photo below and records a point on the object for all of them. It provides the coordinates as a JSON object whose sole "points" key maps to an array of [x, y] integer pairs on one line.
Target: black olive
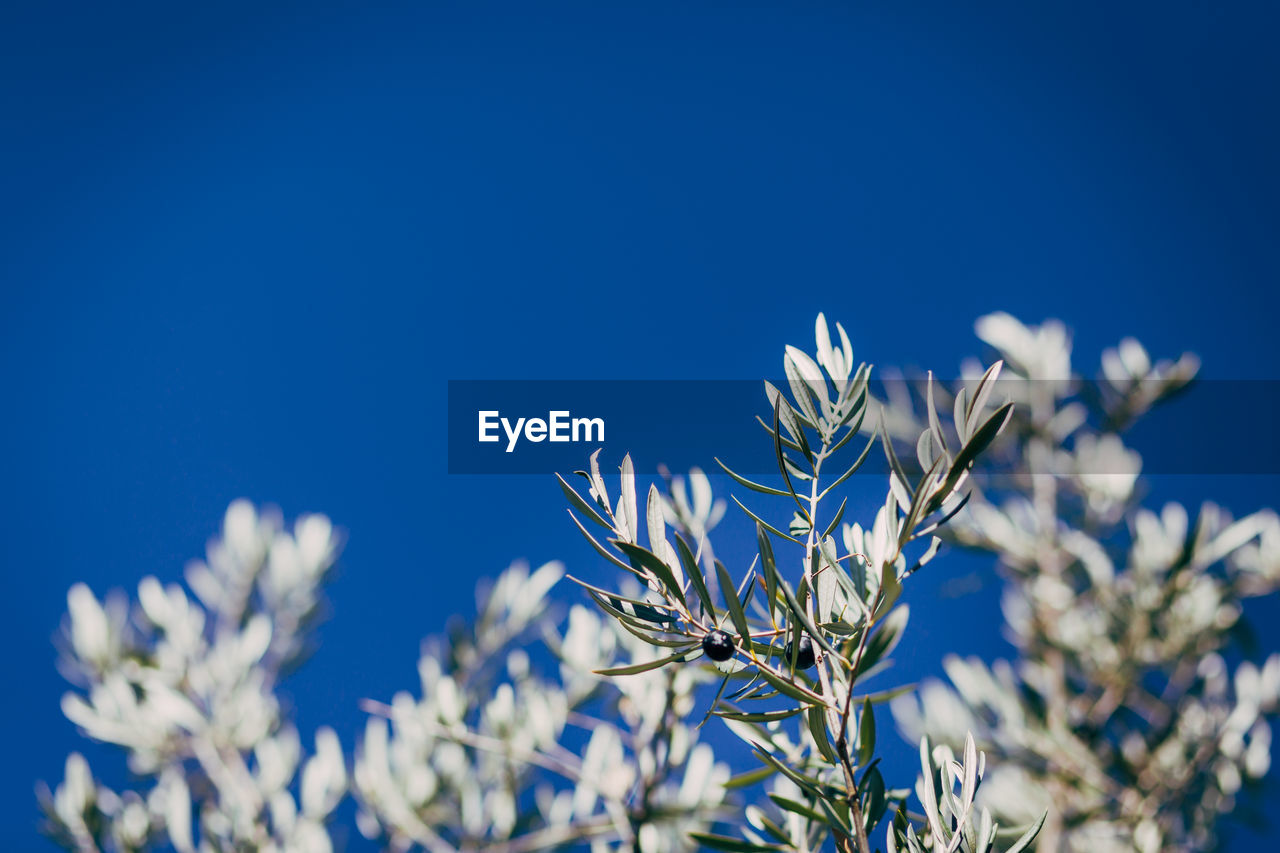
{"points": [[718, 645], [804, 658]]}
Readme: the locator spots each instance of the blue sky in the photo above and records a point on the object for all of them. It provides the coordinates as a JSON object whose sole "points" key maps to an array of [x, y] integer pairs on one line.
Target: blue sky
{"points": [[245, 246]]}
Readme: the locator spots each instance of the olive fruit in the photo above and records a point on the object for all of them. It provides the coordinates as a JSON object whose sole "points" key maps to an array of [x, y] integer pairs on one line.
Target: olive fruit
{"points": [[804, 657], [718, 645]]}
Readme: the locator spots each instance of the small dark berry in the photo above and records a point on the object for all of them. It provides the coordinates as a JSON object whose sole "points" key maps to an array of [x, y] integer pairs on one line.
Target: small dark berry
{"points": [[718, 645], [804, 658]]}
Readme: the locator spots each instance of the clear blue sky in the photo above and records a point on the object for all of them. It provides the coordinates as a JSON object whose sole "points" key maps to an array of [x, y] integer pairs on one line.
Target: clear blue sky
{"points": [[244, 246]]}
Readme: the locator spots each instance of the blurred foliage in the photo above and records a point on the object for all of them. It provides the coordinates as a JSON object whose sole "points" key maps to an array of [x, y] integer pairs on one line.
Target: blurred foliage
{"points": [[1120, 716]]}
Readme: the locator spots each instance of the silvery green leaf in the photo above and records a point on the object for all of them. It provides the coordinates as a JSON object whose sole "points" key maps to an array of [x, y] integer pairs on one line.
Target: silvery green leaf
{"points": [[981, 394], [835, 519], [600, 549], [796, 808], [782, 464], [822, 335], [767, 526], [900, 492], [825, 583], [876, 799], [812, 377], [810, 785], [733, 604], [786, 442], [799, 526], [627, 503], [694, 571], [654, 521], [959, 412], [852, 469], [802, 617], [837, 815], [646, 666], [1024, 842], [597, 482], [794, 470], [642, 558], [734, 845], [749, 777], [846, 348], [753, 486], [800, 392], [981, 438], [885, 639], [935, 426], [986, 832], [730, 713], [925, 453], [768, 566], [969, 786], [928, 796], [866, 733], [581, 505], [658, 536]]}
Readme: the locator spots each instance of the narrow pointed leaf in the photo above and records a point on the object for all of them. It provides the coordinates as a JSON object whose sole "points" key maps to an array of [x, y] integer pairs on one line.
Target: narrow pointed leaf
{"points": [[636, 668], [750, 484], [581, 505]]}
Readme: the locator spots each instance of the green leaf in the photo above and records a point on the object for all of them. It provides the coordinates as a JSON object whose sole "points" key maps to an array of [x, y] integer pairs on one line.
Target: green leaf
{"points": [[800, 391], [894, 465], [666, 641], [951, 513], [918, 508], [753, 486], [803, 617], [1024, 842], [642, 557], [769, 566], [724, 842], [807, 783], [736, 613], [958, 412], [653, 519], [767, 526], [835, 522], [978, 443], [641, 628], [788, 804], [775, 831], [890, 588], [935, 426], [983, 391], [758, 717], [582, 506], [636, 668], [750, 777], [786, 442], [694, 572], [628, 499], [597, 482], [866, 734], [875, 802], [857, 463], [835, 819], [782, 461], [791, 688], [885, 639], [879, 697], [818, 728], [645, 610]]}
